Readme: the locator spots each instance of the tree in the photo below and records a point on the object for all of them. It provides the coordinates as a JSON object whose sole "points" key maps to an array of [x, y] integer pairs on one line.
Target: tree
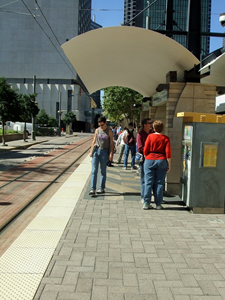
{"points": [[42, 118], [69, 117], [29, 109], [120, 102], [9, 105], [52, 122]]}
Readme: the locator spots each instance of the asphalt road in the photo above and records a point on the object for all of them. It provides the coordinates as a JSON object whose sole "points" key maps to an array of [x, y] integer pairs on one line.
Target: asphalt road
{"points": [[10, 159]]}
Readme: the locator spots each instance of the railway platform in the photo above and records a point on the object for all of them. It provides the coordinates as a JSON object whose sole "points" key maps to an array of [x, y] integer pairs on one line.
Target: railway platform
{"points": [[108, 247]]}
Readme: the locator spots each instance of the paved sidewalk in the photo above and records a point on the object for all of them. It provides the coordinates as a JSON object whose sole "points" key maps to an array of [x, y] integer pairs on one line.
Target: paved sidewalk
{"points": [[112, 249]]}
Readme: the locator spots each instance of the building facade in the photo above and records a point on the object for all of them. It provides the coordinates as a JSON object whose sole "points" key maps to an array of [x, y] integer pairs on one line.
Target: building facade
{"points": [[157, 15], [31, 35]]}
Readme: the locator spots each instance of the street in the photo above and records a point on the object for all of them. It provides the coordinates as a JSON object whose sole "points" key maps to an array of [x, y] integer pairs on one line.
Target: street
{"points": [[13, 158]]}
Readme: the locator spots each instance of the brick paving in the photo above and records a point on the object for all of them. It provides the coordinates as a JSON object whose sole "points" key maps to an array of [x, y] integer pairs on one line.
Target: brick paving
{"points": [[111, 249], [21, 184]]}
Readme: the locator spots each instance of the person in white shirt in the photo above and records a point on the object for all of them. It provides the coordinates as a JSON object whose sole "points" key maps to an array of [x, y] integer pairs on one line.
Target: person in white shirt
{"points": [[120, 142]]}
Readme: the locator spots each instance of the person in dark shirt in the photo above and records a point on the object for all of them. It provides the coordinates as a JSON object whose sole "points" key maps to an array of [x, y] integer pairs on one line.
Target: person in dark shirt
{"points": [[141, 138], [157, 152]]}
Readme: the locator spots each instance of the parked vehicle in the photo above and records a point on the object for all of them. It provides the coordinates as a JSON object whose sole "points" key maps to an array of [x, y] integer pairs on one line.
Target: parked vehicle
{"points": [[19, 127]]}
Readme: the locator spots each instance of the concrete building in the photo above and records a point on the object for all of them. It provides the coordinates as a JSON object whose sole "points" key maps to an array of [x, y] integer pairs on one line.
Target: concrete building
{"points": [[31, 35], [157, 15]]}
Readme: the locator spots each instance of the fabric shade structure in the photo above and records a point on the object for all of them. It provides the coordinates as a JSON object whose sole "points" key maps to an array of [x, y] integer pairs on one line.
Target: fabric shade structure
{"points": [[217, 73], [126, 56]]}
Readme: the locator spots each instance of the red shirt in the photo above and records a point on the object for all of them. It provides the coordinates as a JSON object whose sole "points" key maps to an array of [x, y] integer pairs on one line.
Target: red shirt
{"points": [[157, 146]]}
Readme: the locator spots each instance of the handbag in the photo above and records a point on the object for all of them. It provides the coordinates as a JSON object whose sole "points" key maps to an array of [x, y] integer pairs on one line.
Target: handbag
{"points": [[139, 158], [93, 149]]}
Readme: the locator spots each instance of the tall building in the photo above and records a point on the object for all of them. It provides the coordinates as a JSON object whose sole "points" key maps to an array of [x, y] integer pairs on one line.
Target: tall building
{"points": [[31, 35], [157, 14]]}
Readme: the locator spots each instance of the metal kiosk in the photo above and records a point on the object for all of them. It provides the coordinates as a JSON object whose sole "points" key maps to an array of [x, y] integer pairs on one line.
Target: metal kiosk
{"points": [[203, 162]]}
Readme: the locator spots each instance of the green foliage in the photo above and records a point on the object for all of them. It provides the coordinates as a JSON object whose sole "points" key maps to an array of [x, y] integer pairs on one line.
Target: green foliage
{"points": [[9, 104], [42, 118], [28, 107], [68, 118], [52, 122], [121, 102], [45, 120], [45, 131]]}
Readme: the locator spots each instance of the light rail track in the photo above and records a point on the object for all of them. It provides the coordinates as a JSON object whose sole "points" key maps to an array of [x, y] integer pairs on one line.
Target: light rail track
{"points": [[27, 182]]}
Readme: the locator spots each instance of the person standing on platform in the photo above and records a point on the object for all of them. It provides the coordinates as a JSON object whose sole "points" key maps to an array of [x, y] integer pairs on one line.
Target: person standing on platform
{"points": [[120, 142], [141, 138], [157, 152], [101, 152], [129, 138]]}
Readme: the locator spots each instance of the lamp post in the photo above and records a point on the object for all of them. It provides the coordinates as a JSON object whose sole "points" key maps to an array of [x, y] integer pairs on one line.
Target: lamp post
{"points": [[33, 117]]}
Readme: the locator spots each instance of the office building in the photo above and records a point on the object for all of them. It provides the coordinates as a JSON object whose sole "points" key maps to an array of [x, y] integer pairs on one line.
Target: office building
{"points": [[31, 35], [157, 14]]}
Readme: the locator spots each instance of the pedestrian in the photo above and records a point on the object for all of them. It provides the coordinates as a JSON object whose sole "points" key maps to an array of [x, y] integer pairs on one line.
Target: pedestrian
{"points": [[102, 142], [114, 130], [157, 152], [141, 138], [129, 138], [120, 142]]}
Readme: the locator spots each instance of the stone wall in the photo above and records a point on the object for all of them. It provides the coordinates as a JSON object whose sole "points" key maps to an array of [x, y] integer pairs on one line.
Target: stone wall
{"points": [[189, 97], [12, 137]]}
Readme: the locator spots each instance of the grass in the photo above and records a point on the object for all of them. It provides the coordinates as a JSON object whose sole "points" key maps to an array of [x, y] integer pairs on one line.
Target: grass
{"points": [[7, 131]]}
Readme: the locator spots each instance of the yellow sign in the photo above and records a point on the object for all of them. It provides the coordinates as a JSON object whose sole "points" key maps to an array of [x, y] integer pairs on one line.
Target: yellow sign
{"points": [[210, 155]]}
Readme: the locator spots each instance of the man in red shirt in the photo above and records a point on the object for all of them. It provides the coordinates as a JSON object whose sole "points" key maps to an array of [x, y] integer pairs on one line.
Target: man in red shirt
{"points": [[141, 138], [157, 152]]}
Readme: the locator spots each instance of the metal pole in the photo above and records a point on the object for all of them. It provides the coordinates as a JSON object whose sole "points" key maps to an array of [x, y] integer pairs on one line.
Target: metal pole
{"points": [[33, 117], [148, 17], [59, 112]]}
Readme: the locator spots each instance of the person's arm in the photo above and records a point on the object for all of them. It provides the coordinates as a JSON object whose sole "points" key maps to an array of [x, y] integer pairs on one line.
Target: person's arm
{"points": [[140, 144], [146, 150], [93, 142], [168, 155], [124, 136], [119, 140], [169, 165], [111, 145]]}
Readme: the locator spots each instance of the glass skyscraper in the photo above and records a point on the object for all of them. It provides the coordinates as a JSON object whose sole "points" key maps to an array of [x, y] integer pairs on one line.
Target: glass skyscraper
{"points": [[157, 14]]}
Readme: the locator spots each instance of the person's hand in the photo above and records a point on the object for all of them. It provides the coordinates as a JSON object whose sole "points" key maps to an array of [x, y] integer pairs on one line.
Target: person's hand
{"points": [[168, 169], [111, 156]]}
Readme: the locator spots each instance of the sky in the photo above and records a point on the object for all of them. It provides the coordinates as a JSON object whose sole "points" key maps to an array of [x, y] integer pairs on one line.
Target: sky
{"points": [[110, 13]]}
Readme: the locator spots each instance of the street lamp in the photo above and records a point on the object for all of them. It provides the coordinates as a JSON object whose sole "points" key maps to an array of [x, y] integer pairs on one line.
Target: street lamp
{"points": [[60, 112]]}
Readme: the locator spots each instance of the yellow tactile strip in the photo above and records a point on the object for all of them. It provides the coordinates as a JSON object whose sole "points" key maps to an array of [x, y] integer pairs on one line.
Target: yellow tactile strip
{"points": [[23, 264]]}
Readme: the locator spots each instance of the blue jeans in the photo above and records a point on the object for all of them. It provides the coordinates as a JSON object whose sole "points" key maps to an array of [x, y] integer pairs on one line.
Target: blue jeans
{"points": [[131, 148], [142, 173], [155, 174], [99, 157]]}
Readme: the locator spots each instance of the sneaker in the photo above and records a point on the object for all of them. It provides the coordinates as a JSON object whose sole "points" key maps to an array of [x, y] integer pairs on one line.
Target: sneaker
{"points": [[133, 168], [92, 192], [100, 191], [147, 206], [124, 168], [118, 162], [159, 207]]}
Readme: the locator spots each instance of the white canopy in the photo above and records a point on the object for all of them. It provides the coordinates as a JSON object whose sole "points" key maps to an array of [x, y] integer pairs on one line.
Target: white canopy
{"points": [[129, 56], [217, 71]]}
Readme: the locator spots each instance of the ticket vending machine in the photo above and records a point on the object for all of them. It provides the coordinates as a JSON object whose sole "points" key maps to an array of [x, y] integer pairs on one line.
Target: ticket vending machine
{"points": [[202, 185]]}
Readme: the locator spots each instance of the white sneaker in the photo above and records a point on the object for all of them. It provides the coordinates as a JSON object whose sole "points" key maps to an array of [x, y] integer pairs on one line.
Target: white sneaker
{"points": [[147, 206], [124, 168], [159, 207]]}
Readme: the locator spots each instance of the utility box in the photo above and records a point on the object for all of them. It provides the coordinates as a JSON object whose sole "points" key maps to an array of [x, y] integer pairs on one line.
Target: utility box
{"points": [[202, 186]]}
